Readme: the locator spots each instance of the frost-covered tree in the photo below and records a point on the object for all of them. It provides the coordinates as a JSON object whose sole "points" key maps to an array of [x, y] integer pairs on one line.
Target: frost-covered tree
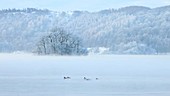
{"points": [[60, 42]]}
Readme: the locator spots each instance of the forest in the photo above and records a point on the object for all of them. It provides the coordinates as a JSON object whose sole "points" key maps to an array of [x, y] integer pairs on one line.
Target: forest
{"points": [[128, 30]]}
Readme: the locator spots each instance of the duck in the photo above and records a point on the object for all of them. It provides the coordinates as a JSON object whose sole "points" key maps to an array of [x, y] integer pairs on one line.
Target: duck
{"points": [[86, 78], [67, 77]]}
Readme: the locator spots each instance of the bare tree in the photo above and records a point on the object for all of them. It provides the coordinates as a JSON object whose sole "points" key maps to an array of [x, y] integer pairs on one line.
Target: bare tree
{"points": [[60, 42]]}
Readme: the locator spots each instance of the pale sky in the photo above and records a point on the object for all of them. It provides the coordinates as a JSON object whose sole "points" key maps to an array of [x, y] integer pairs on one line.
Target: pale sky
{"points": [[88, 5]]}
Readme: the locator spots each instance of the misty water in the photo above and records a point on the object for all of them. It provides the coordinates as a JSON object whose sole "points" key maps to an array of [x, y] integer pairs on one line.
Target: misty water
{"points": [[106, 86], [118, 75]]}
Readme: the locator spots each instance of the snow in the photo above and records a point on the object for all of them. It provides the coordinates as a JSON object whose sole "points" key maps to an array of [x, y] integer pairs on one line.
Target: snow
{"points": [[128, 30], [98, 51], [119, 75]]}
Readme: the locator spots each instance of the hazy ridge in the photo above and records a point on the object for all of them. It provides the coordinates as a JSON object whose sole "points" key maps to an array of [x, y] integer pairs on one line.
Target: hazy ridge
{"points": [[128, 30]]}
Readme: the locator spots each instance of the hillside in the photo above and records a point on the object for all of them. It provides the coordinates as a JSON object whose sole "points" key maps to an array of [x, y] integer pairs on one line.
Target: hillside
{"points": [[128, 30]]}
